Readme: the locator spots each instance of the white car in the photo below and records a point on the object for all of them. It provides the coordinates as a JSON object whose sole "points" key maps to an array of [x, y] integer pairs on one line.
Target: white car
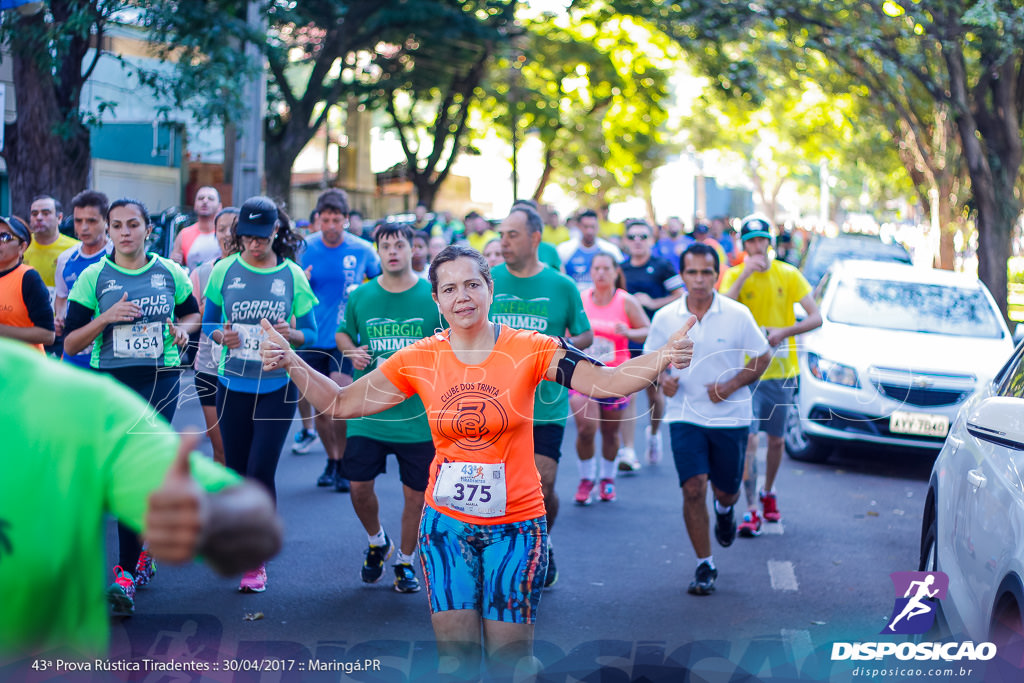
{"points": [[973, 525], [899, 350]]}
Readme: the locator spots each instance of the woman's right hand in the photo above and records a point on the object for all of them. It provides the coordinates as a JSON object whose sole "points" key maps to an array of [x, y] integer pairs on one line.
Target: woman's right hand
{"points": [[274, 349], [360, 356], [229, 337], [122, 312]]}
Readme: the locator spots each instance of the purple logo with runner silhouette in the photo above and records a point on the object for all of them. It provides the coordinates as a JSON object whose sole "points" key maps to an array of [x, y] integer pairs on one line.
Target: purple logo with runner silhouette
{"points": [[917, 596]]}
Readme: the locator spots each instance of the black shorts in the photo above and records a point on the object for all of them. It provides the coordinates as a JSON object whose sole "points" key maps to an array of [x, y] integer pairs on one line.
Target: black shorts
{"points": [[206, 388], [326, 361], [365, 458], [547, 440]]}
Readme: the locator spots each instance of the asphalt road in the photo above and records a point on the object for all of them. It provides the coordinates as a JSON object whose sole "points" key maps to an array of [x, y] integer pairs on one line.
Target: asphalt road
{"points": [[620, 611]]}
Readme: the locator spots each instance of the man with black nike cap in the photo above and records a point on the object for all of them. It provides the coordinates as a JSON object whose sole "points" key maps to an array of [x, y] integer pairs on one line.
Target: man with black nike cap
{"points": [[769, 288]]}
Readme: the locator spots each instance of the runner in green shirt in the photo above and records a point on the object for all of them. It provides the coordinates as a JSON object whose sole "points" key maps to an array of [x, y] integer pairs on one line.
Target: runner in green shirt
{"points": [[107, 453], [531, 296], [383, 315]]}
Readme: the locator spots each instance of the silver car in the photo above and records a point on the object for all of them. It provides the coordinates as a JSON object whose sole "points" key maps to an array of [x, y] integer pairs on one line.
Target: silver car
{"points": [[899, 350]]}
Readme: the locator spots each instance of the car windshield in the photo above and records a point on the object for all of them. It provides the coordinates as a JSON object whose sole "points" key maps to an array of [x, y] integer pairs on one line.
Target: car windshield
{"points": [[914, 307], [829, 251]]}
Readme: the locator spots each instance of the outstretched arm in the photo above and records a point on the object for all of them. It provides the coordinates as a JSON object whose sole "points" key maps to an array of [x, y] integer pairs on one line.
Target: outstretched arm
{"points": [[234, 529], [371, 393], [633, 375]]}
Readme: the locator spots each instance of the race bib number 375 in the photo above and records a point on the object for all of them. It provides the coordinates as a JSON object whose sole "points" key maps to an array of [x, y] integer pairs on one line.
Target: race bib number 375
{"points": [[472, 488]]}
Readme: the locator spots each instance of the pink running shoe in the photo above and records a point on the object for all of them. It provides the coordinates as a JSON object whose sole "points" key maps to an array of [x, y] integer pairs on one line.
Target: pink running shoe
{"points": [[254, 581], [607, 490], [584, 492]]}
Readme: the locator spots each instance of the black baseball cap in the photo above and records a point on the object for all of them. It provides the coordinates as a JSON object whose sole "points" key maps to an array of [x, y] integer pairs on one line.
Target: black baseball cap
{"points": [[755, 226], [18, 227], [257, 217]]}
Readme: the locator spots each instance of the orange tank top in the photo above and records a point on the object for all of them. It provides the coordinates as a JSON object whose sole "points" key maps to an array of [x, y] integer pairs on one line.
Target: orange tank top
{"points": [[609, 347], [13, 310]]}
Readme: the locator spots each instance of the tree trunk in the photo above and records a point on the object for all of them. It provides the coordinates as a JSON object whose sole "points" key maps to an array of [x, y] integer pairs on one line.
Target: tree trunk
{"points": [[545, 176], [426, 189], [947, 228], [45, 153], [280, 151]]}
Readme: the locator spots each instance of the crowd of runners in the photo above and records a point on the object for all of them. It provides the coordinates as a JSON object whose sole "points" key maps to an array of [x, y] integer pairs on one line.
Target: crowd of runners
{"points": [[460, 347]]}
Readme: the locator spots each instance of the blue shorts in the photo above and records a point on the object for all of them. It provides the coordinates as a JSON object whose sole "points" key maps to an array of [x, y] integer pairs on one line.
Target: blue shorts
{"points": [[496, 569], [716, 452], [771, 399]]}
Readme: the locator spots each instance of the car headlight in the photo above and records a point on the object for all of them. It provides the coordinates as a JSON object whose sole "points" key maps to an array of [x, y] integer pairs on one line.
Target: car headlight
{"points": [[830, 371]]}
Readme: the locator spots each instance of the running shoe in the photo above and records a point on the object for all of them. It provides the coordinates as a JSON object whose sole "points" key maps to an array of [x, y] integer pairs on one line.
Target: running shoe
{"points": [[771, 507], [628, 461], [653, 446], [341, 484], [704, 580], [145, 568], [607, 490], [551, 578], [121, 593], [751, 524], [328, 478], [584, 492], [405, 579], [376, 556], [254, 580], [725, 527], [305, 439]]}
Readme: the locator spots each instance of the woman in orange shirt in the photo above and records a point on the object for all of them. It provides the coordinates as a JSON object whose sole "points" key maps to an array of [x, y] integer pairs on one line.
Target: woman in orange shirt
{"points": [[483, 534], [25, 312]]}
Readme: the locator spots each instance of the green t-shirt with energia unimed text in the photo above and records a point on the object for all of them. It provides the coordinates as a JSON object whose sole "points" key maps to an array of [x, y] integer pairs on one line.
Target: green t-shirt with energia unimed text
{"points": [[384, 322], [548, 302]]}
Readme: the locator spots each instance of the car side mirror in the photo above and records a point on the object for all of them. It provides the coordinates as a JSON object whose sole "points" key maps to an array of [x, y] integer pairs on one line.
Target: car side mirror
{"points": [[998, 420], [1018, 333]]}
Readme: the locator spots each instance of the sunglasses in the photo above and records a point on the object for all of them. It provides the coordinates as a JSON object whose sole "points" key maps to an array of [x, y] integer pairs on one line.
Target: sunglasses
{"points": [[6, 237], [636, 237]]}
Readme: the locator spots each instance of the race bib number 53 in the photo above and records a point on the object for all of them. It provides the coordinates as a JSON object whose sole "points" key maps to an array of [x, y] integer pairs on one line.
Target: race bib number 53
{"points": [[251, 336], [472, 488]]}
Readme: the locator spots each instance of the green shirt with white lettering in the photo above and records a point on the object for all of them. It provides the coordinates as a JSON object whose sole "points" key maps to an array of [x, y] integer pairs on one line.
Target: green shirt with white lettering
{"points": [[548, 302], [385, 322]]}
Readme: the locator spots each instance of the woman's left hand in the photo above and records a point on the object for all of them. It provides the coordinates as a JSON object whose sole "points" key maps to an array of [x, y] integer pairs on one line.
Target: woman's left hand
{"points": [[180, 335], [680, 346]]}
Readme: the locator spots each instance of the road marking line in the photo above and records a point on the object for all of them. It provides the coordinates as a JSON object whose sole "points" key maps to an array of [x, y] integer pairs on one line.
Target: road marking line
{"points": [[782, 575], [773, 528]]}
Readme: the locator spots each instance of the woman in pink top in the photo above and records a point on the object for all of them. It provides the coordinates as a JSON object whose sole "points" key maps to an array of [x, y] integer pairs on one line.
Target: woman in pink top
{"points": [[616, 318]]}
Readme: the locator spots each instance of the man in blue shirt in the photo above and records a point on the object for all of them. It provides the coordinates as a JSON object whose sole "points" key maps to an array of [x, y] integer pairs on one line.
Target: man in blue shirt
{"points": [[90, 214], [335, 262]]}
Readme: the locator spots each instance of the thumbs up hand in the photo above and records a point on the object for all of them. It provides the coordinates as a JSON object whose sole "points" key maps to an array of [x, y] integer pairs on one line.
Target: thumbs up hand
{"points": [[680, 346], [176, 513]]}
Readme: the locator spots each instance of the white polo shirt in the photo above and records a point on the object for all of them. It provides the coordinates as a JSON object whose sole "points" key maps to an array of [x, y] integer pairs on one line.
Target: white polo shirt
{"points": [[722, 342]]}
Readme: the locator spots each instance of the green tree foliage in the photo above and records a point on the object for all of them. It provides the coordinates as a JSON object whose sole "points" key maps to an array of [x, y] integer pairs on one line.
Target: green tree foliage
{"points": [[428, 77], [593, 88], [47, 146], [967, 56]]}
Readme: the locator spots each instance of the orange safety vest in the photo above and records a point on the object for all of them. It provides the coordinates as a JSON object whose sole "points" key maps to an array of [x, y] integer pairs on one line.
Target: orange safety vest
{"points": [[13, 310]]}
